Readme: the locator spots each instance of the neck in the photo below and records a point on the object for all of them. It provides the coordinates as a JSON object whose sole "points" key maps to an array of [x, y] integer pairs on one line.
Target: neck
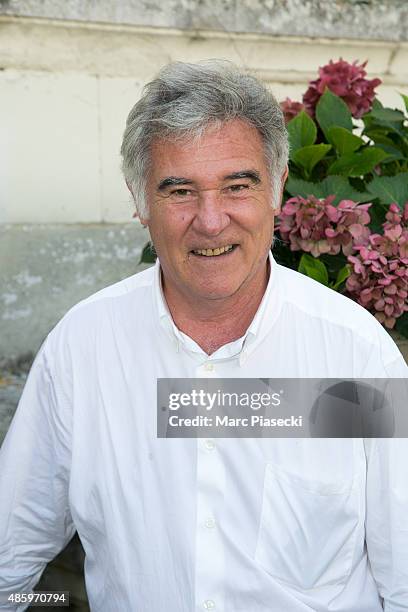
{"points": [[209, 322]]}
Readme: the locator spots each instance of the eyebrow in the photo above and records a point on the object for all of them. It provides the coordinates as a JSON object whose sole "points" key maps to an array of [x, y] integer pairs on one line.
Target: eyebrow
{"points": [[253, 175], [170, 181], [173, 180]]}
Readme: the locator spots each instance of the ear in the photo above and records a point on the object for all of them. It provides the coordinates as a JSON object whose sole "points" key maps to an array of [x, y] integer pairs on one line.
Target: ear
{"points": [[136, 215], [143, 221]]}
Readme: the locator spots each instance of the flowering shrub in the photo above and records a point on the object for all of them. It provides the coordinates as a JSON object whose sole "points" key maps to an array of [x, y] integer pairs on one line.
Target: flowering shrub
{"points": [[291, 108], [342, 221], [379, 262], [346, 81], [316, 226], [379, 278]]}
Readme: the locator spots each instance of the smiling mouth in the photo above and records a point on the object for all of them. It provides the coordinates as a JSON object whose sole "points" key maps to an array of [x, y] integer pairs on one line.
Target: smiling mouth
{"points": [[216, 252]]}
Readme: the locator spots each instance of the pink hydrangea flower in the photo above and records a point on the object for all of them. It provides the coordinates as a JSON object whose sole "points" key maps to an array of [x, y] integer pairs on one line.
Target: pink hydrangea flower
{"points": [[291, 108], [316, 226], [348, 82], [379, 278]]}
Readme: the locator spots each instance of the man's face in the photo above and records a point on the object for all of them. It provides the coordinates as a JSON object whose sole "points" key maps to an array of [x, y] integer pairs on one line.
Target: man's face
{"points": [[211, 216]]}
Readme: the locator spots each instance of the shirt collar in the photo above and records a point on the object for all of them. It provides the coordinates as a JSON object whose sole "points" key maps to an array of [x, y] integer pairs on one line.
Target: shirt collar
{"points": [[262, 322]]}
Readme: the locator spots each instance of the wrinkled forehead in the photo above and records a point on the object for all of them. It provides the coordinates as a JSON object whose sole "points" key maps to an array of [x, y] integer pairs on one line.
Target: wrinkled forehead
{"points": [[218, 149]]}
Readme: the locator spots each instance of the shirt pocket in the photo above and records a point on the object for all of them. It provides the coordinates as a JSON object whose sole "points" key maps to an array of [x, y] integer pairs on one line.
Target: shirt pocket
{"points": [[308, 529]]}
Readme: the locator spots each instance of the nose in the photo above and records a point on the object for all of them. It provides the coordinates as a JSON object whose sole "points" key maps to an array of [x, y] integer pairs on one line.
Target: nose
{"points": [[211, 217]]}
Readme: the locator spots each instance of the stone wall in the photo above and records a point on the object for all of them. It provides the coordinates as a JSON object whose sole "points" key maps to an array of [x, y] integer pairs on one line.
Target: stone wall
{"points": [[46, 269], [360, 19]]}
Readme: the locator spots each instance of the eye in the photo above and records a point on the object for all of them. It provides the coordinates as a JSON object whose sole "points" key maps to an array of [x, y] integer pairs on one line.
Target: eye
{"points": [[182, 192], [237, 188]]}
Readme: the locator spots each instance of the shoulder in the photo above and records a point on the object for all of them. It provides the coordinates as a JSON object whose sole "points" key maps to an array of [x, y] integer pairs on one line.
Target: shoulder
{"points": [[333, 315], [316, 300], [90, 332], [136, 283], [133, 293]]}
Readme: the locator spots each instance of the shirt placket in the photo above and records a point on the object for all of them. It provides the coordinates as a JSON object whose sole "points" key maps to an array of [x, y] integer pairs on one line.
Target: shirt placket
{"points": [[210, 554]]}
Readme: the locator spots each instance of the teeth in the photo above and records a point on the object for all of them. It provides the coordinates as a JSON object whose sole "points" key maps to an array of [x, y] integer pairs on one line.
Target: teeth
{"points": [[213, 252]]}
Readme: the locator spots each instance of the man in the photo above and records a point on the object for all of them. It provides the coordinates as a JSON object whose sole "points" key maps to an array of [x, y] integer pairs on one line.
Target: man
{"points": [[250, 525]]}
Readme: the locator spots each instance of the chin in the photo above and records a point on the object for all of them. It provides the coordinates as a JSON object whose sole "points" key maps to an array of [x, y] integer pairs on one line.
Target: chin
{"points": [[216, 293]]}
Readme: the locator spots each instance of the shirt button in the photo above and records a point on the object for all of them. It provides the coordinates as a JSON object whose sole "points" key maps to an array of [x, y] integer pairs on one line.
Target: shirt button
{"points": [[208, 367], [210, 523], [209, 445], [209, 604]]}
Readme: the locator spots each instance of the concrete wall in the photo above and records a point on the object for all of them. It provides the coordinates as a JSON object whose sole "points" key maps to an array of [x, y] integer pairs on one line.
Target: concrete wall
{"points": [[66, 86], [46, 269], [367, 19]]}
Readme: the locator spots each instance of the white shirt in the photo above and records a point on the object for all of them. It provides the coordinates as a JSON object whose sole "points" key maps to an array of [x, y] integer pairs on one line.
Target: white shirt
{"points": [[182, 525]]}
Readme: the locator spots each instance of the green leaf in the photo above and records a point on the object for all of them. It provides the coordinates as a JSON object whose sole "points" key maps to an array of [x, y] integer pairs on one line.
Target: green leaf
{"points": [[387, 119], [314, 268], [148, 254], [376, 104], [341, 187], [343, 140], [358, 164], [332, 111], [308, 157], [390, 189], [302, 131], [342, 275], [299, 187], [331, 185], [405, 98], [387, 115], [393, 152], [379, 136]]}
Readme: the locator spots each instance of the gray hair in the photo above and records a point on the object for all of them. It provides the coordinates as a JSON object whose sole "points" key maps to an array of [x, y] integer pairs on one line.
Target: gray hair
{"points": [[185, 99]]}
